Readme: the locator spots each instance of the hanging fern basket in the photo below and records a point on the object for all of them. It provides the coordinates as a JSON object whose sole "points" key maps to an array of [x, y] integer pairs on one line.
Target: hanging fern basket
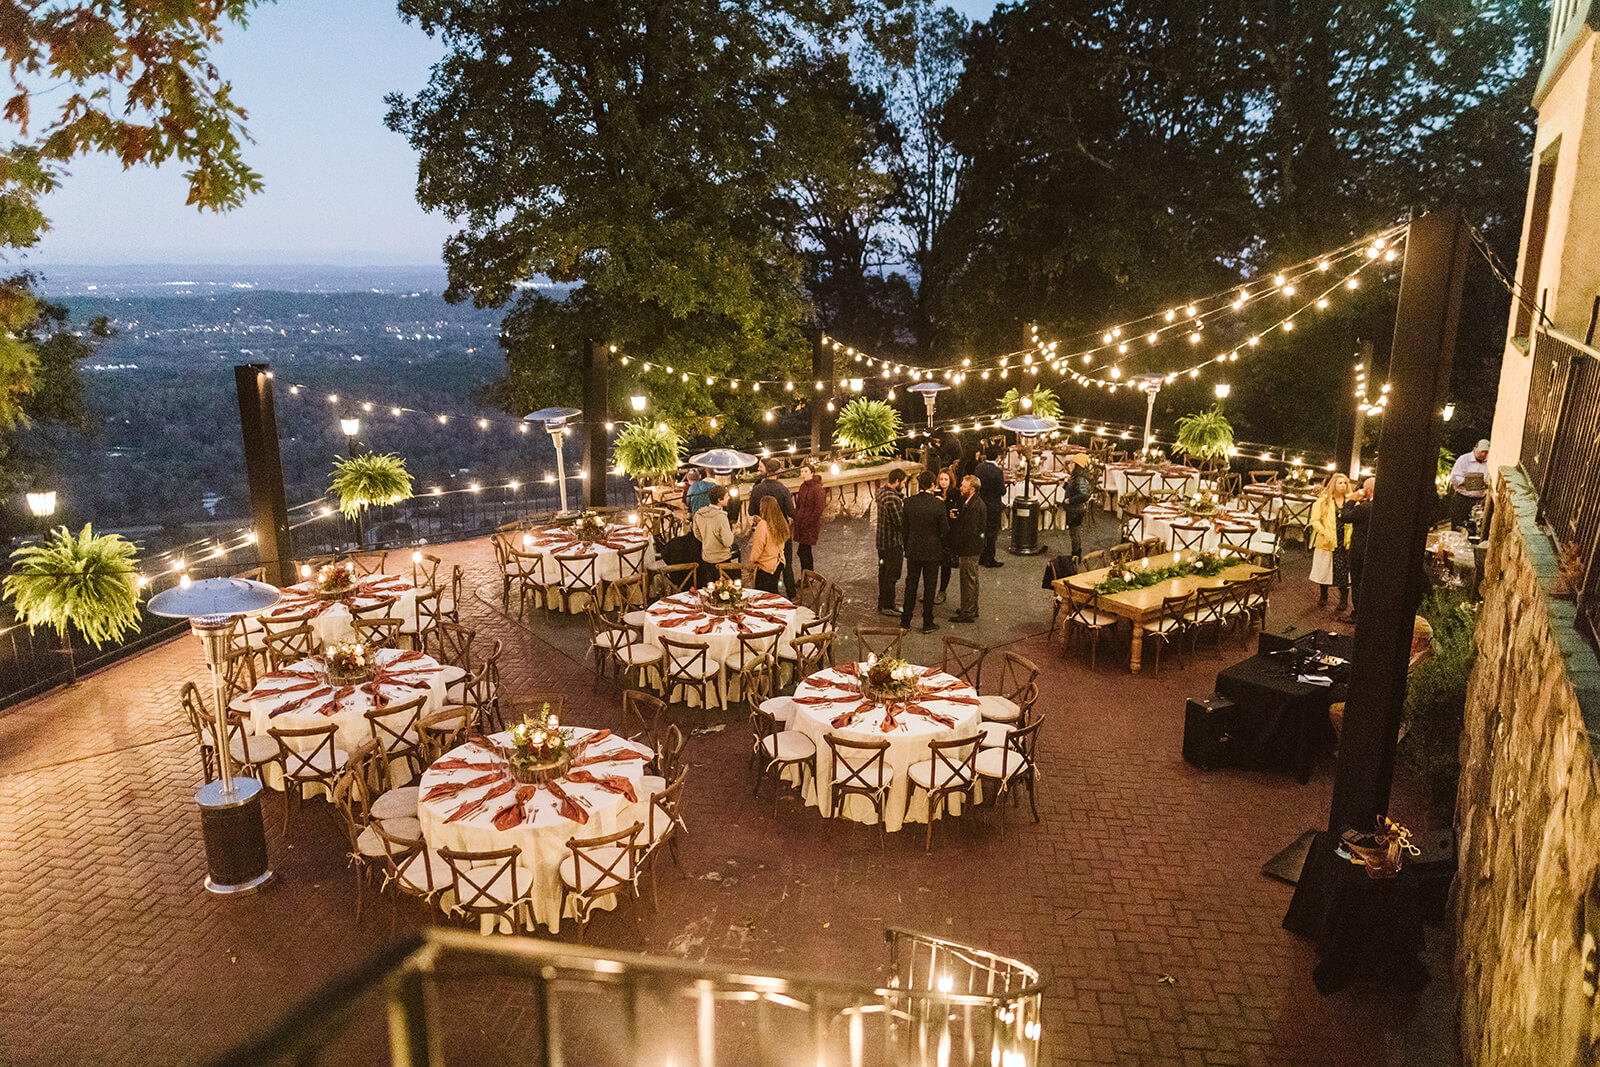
{"points": [[868, 427]]}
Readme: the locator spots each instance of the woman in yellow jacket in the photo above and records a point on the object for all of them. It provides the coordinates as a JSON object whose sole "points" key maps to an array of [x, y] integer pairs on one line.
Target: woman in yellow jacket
{"points": [[1329, 542]]}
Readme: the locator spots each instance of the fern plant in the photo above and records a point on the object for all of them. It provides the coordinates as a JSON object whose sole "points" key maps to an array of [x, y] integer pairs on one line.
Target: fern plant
{"points": [[369, 480], [85, 582], [646, 449], [1205, 435], [1044, 403], [870, 427]]}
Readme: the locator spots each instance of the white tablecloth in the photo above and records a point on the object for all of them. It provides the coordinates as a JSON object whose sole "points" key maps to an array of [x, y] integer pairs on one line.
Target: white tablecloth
{"points": [[1160, 518], [679, 616], [543, 834], [405, 676], [331, 618], [908, 742], [559, 541]]}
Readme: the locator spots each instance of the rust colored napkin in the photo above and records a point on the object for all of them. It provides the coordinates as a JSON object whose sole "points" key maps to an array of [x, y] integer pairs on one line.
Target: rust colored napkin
{"points": [[597, 736], [281, 690], [472, 807], [847, 669], [298, 675], [819, 700], [956, 700], [450, 789], [611, 783], [321, 692], [706, 627], [610, 757], [569, 807], [943, 720], [458, 764]]}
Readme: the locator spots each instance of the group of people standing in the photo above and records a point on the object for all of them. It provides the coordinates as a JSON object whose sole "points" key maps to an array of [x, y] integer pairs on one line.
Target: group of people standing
{"points": [[1339, 521], [776, 521], [945, 524]]}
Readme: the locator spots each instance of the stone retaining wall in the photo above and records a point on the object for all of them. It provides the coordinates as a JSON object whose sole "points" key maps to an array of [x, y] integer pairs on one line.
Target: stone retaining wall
{"points": [[1527, 894]]}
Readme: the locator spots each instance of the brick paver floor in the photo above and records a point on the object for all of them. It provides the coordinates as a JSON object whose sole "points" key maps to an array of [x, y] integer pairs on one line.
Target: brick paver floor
{"points": [[1142, 867]]}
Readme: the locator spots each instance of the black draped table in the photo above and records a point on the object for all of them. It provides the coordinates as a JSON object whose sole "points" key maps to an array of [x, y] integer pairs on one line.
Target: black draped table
{"points": [[1278, 723]]}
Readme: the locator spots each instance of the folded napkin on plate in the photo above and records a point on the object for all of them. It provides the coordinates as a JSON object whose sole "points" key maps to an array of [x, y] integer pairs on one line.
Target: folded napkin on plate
{"points": [[472, 807], [450, 789], [280, 690], [609, 757], [611, 783], [943, 720], [405, 657], [516, 813], [889, 722], [321, 692], [458, 764], [598, 735], [706, 627], [566, 804], [841, 721]]}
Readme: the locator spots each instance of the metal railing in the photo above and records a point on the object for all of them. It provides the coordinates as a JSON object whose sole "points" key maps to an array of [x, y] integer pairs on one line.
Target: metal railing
{"points": [[1561, 455], [943, 1003]]}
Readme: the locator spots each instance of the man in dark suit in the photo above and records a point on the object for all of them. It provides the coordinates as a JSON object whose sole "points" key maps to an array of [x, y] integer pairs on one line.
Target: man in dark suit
{"points": [[966, 543], [925, 526], [993, 491]]}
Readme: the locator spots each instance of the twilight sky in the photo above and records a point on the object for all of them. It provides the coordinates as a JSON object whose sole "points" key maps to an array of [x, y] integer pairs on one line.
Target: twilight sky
{"points": [[312, 74]]}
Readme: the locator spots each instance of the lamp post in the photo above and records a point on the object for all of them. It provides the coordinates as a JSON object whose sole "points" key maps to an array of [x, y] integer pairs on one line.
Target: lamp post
{"points": [[555, 422], [1025, 510], [638, 403], [351, 425], [230, 808], [42, 505], [1222, 390]]}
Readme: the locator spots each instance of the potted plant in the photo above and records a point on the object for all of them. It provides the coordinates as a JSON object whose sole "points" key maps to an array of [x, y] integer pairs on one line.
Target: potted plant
{"points": [[1041, 402], [647, 450], [369, 480], [86, 582], [1206, 436], [868, 427]]}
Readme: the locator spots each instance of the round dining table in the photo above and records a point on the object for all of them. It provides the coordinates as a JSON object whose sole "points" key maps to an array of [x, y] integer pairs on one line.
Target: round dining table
{"points": [[552, 541], [681, 617], [468, 801], [830, 701], [331, 618], [299, 697]]}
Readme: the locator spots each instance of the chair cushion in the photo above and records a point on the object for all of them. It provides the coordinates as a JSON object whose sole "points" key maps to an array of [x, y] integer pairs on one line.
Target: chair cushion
{"points": [[780, 708], [424, 868], [998, 709], [256, 749], [990, 762], [612, 639], [450, 725], [497, 893], [693, 669], [638, 654], [649, 786], [395, 804], [993, 734], [603, 856], [787, 745], [928, 775], [1094, 618], [450, 674], [1165, 626], [636, 617], [368, 843]]}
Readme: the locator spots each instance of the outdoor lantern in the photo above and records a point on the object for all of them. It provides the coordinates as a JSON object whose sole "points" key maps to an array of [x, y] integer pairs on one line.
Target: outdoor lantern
{"points": [[1223, 389], [638, 402], [350, 425], [1449, 413], [230, 808], [555, 424], [42, 505]]}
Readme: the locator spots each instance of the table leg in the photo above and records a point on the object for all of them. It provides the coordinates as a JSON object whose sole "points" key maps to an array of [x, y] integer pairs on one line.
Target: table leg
{"points": [[1136, 650]]}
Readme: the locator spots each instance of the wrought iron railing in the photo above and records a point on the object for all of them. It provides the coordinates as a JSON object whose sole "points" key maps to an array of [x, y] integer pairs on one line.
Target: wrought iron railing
{"points": [[1561, 455], [943, 1003]]}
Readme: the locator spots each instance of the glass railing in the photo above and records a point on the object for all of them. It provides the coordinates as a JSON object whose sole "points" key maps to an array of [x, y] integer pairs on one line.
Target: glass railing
{"points": [[942, 1003]]}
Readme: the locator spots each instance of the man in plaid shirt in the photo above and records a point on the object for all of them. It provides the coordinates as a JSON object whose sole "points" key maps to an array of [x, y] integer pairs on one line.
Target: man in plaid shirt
{"points": [[890, 502]]}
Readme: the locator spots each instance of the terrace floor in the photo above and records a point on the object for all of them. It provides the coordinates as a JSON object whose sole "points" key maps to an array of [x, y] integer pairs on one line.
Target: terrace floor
{"points": [[1142, 868]]}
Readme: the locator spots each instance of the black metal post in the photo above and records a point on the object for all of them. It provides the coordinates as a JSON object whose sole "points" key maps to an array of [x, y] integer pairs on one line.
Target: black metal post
{"points": [[1402, 511], [821, 371], [596, 411], [258, 422]]}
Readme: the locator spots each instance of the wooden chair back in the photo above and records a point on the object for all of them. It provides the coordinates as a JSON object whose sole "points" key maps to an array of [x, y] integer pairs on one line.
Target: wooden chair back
{"points": [[964, 659], [881, 641]]}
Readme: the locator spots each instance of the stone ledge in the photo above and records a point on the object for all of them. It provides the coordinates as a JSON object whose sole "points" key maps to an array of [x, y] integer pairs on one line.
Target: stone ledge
{"points": [[1582, 665]]}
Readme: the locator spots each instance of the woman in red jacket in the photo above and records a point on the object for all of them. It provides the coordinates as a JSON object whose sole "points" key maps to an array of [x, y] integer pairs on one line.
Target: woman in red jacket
{"points": [[808, 504]]}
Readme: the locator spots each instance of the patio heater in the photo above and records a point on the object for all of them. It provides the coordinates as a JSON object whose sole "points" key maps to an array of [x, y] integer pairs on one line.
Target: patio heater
{"points": [[1151, 384], [555, 422], [1025, 509], [930, 393], [723, 462], [230, 808]]}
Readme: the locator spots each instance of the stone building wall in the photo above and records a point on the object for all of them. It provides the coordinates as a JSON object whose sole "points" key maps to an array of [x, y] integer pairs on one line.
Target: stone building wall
{"points": [[1527, 894]]}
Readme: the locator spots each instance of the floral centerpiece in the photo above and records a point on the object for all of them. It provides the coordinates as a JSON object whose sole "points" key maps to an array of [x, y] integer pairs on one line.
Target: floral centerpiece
{"points": [[540, 749], [1142, 575], [1299, 477], [888, 679], [1203, 504], [591, 527], [336, 580], [723, 596], [349, 663]]}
